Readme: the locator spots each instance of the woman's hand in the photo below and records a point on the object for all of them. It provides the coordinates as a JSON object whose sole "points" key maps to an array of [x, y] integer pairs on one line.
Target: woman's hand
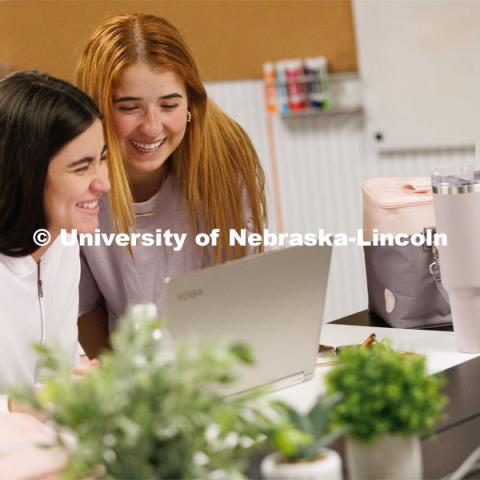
{"points": [[14, 406], [84, 367]]}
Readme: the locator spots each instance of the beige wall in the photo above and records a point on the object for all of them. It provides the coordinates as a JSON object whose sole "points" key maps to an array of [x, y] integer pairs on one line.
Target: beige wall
{"points": [[230, 39]]}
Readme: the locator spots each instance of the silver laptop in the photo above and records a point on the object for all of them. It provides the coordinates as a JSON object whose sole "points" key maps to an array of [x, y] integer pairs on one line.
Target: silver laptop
{"points": [[272, 301]]}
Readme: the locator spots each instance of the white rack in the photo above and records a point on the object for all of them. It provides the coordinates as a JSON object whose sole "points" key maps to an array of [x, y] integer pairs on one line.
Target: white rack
{"points": [[344, 96]]}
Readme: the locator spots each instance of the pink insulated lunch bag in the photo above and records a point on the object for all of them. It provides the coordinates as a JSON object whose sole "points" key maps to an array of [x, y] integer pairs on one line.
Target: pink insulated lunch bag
{"points": [[404, 285]]}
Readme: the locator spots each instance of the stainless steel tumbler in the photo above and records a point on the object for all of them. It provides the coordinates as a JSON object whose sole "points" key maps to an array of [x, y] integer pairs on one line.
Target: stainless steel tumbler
{"points": [[456, 202]]}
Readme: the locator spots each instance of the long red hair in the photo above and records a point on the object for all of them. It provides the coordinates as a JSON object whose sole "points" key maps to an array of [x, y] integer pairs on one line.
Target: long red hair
{"points": [[215, 165]]}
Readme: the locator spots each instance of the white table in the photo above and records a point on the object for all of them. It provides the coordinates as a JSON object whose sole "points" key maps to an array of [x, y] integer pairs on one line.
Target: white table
{"points": [[438, 346]]}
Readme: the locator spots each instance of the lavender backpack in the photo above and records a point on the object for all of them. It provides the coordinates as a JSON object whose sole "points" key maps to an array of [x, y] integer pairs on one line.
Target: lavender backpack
{"points": [[404, 284]]}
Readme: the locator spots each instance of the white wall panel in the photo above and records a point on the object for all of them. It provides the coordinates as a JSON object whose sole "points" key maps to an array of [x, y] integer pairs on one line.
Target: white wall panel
{"points": [[322, 161]]}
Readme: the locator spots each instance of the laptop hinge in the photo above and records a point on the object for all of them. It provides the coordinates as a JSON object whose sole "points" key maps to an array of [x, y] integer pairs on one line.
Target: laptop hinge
{"points": [[288, 381]]}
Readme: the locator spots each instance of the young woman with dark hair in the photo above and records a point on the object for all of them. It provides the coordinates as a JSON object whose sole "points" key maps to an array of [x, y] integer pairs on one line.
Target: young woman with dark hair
{"points": [[52, 174]]}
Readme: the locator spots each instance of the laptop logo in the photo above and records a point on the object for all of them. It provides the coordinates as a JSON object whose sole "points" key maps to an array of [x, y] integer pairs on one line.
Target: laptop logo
{"points": [[189, 294]]}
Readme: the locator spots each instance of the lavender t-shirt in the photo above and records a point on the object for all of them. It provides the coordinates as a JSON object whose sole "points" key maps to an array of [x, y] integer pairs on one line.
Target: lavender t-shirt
{"points": [[110, 272]]}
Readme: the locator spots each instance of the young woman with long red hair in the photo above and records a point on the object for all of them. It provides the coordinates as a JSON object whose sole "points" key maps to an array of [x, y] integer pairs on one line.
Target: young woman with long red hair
{"points": [[176, 163]]}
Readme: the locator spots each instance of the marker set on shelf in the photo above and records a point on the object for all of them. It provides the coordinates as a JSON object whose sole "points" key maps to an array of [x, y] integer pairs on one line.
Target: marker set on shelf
{"points": [[296, 86]]}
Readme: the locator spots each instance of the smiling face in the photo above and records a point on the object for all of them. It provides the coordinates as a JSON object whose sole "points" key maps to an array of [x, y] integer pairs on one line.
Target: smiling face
{"points": [[149, 116], [77, 177]]}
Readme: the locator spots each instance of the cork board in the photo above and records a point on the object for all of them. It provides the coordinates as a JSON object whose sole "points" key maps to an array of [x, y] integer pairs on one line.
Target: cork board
{"points": [[229, 38]]}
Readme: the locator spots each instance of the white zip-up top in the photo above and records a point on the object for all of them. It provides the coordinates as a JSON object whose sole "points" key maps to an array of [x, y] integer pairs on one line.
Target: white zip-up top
{"points": [[38, 304]]}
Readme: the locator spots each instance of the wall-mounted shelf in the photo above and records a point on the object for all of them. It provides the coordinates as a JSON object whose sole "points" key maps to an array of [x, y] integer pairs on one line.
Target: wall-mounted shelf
{"points": [[339, 93], [324, 112], [346, 93]]}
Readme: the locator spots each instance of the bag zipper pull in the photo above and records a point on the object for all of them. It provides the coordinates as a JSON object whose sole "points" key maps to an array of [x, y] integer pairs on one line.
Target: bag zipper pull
{"points": [[435, 265]]}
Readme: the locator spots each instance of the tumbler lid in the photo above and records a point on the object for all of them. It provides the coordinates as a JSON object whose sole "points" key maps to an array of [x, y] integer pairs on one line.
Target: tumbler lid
{"points": [[455, 180]]}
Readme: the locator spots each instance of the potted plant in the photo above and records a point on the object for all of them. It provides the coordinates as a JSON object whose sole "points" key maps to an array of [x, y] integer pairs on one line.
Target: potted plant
{"points": [[152, 410], [388, 399], [300, 442]]}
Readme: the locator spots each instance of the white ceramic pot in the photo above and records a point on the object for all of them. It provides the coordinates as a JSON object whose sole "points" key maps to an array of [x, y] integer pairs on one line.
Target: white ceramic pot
{"points": [[329, 467], [393, 456]]}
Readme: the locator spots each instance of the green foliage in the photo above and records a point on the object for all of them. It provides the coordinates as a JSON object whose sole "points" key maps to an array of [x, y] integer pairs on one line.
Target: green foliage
{"points": [[153, 410], [300, 436], [384, 392]]}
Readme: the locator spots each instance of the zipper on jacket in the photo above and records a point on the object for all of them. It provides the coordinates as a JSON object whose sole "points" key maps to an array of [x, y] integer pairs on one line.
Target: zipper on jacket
{"points": [[39, 281], [40, 296], [42, 322]]}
